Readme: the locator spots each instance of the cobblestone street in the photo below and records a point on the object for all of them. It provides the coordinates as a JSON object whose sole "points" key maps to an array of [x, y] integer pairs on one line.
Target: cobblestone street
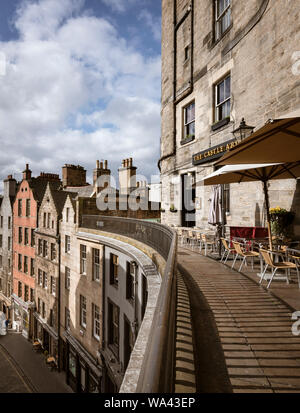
{"points": [[24, 371]]}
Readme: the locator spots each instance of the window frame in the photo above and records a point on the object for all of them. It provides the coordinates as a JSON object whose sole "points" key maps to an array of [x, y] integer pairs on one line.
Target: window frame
{"points": [[218, 33], [187, 136], [218, 105], [96, 265], [114, 270], [83, 311], [83, 259], [96, 322]]}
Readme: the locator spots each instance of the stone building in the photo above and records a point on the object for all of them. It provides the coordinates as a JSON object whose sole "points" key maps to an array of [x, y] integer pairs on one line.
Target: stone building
{"points": [[103, 297], [6, 256], [47, 269], [80, 297], [25, 221], [222, 61]]}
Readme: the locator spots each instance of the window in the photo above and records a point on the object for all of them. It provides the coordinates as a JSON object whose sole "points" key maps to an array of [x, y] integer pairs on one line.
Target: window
{"points": [[20, 235], [114, 265], [28, 207], [45, 280], [32, 295], [0, 240], [19, 289], [1, 221], [51, 318], [67, 214], [19, 207], [26, 293], [9, 223], [82, 259], [222, 17], [39, 306], [44, 220], [67, 244], [45, 249], [67, 318], [40, 247], [189, 121], [48, 220], [128, 341], [96, 322], [222, 99], [113, 326], [32, 267], [9, 265], [1, 287], [1, 261], [96, 264], [68, 278], [32, 238], [53, 286], [26, 236], [83, 311], [9, 243], [25, 265], [19, 262], [43, 309], [53, 252], [130, 272], [40, 277]]}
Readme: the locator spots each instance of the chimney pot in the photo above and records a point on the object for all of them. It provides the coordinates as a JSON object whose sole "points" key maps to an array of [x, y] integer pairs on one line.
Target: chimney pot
{"points": [[105, 164], [101, 165], [97, 164]]}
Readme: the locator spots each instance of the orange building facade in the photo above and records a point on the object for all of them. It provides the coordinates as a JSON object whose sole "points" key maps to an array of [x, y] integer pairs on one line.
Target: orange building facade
{"points": [[24, 224]]}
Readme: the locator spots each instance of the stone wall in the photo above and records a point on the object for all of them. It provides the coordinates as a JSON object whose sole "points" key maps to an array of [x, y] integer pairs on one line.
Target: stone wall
{"points": [[259, 51]]}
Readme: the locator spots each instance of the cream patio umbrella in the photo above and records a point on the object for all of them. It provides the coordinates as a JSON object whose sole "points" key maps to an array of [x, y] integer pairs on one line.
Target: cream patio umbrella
{"points": [[254, 172], [276, 142]]}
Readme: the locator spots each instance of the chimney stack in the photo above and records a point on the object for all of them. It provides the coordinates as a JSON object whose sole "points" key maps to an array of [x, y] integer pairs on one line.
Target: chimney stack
{"points": [[98, 172], [127, 177], [10, 186], [73, 175], [27, 173]]}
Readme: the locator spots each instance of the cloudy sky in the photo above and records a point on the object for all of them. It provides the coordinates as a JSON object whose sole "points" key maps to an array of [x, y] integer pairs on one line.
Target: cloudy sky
{"points": [[79, 81]]}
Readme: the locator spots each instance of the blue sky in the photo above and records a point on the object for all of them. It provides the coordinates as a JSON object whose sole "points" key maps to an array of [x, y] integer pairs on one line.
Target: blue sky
{"points": [[79, 81]]}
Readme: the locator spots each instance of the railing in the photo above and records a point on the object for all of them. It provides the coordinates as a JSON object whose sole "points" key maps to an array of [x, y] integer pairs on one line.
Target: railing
{"points": [[158, 367]]}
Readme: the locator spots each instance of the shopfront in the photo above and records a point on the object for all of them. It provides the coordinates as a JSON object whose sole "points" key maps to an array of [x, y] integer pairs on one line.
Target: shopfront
{"points": [[83, 374]]}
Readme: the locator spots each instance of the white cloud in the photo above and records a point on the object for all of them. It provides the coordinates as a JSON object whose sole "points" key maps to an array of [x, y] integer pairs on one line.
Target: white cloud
{"points": [[74, 92], [152, 22], [119, 5]]}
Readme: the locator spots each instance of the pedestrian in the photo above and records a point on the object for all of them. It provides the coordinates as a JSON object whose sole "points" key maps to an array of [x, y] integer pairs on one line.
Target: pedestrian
{"points": [[6, 324]]}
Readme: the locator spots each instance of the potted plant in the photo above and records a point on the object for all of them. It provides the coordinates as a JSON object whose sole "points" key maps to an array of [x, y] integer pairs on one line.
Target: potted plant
{"points": [[172, 208], [281, 222]]}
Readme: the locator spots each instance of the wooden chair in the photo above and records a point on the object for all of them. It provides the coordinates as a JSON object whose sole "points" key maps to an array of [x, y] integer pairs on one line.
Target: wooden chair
{"points": [[227, 250], [284, 265], [191, 239], [243, 254]]}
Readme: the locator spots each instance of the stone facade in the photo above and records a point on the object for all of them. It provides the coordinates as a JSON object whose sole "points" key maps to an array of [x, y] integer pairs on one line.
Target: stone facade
{"points": [[258, 50], [47, 243], [6, 256], [25, 220]]}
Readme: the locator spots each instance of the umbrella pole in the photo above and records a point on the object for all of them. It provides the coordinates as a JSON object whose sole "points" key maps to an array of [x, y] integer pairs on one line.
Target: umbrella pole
{"points": [[265, 183]]}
